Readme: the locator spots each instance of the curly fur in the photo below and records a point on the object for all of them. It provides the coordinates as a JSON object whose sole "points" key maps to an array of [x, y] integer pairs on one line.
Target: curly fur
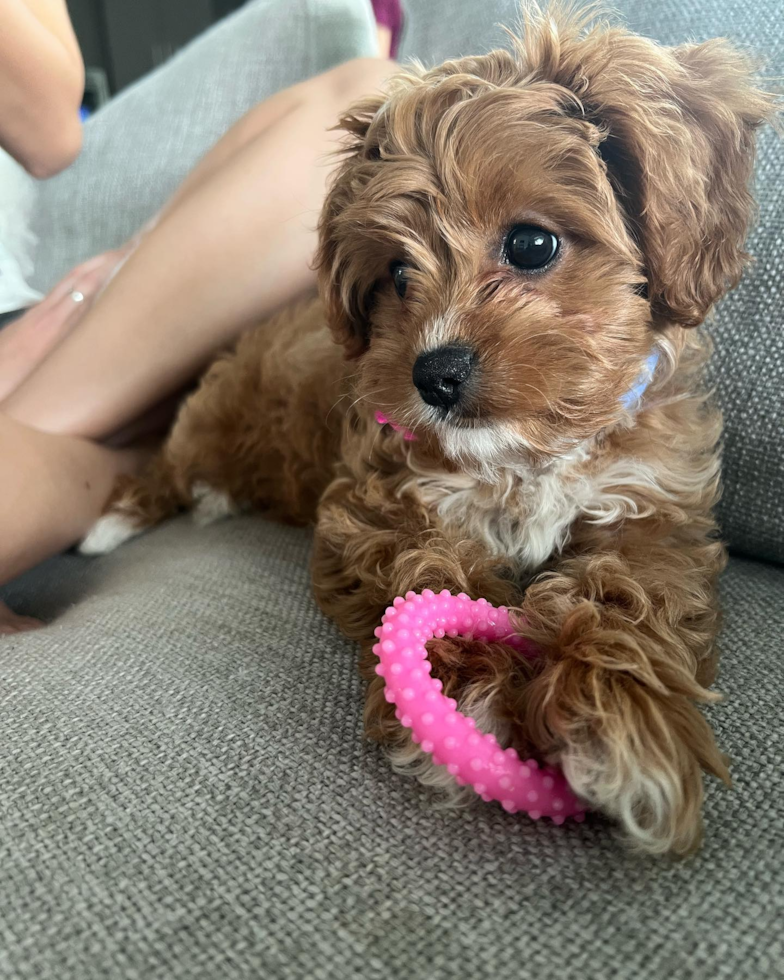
{"points": [[593, 519]]}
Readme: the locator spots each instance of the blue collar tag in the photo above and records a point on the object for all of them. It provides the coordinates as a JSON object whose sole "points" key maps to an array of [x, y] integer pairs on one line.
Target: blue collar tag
{"points": [[633, 397]]}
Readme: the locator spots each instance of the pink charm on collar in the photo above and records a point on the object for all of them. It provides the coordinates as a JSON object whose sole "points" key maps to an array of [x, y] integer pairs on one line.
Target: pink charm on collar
{"points": [[408, 435]]}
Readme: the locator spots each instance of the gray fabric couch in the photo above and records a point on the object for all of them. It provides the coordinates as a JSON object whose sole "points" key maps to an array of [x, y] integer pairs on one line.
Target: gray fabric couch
{"points": [[185, 791]]}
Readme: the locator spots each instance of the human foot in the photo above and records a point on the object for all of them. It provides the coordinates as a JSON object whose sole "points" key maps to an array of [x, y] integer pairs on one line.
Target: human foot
{"points": [[11, 623]]}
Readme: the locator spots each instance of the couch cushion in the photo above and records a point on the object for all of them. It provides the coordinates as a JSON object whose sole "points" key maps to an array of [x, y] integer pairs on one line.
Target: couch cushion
{"points": [[748, 366], [186, 794]]}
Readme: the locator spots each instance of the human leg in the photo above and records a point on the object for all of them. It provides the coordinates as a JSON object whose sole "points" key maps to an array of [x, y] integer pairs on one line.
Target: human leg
{"points": [[51, 492], [236, 246]]}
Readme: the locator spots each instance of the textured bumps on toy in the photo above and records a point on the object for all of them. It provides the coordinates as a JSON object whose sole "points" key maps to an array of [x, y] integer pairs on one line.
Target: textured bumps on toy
{"points": [[452, 739]]}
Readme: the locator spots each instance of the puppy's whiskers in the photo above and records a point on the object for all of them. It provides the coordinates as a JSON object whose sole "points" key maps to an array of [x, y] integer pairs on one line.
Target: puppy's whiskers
{"points": [[349, 379], [373, 444], [363, 398]]}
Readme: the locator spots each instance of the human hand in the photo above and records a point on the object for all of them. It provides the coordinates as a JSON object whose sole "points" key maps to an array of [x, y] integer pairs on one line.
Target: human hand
{"points": [[27, 341]]}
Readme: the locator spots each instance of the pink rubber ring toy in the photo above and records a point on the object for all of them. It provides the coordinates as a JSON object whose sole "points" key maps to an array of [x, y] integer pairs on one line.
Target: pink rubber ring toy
{"points": [[450, 737]]}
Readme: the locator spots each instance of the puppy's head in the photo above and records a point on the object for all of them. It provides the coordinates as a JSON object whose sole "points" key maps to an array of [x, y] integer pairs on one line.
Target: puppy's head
{"points": [[508, 234]]}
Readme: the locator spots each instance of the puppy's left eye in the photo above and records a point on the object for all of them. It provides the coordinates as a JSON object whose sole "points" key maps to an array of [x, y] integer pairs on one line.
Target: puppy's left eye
{"points": [[529, 247], [399, 273]]}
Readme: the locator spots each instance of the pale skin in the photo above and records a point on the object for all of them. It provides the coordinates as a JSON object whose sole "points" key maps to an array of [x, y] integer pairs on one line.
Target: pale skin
{"points": [[41, 85], [235, 244]]}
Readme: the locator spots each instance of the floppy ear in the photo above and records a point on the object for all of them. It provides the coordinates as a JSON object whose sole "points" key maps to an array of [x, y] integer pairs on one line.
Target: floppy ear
{"points": [[345, 281], [678, 126]]}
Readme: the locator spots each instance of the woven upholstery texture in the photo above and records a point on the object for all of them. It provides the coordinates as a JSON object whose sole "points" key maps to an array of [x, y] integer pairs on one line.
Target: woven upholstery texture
{"points": [[186, 795]]}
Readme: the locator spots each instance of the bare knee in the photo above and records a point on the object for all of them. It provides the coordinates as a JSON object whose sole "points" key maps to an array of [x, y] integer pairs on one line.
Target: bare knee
{"points": [[361, 75], [323, 98], [353, 80]]}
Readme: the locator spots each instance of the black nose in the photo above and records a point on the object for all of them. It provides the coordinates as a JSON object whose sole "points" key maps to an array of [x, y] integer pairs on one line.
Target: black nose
{"points": [[440, 373]]}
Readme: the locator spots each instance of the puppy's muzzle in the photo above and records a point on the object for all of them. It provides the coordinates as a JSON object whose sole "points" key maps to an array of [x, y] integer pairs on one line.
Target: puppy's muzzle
{"points": [[440, 375]]}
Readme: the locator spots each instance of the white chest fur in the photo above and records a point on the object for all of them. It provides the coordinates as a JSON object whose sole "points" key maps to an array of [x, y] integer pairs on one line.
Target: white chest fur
{"points": [[527, 516]]}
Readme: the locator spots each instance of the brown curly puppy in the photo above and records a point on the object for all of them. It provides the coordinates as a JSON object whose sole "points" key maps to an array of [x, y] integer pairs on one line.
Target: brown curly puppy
{"points": [[512, 254]]}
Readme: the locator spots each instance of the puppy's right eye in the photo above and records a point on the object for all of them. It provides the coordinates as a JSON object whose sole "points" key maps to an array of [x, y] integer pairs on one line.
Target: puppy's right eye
{"points": [[399, 273]]}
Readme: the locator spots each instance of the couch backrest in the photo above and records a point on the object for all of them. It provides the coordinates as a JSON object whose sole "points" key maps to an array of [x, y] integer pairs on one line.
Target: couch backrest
{"points": [[748, 328]]}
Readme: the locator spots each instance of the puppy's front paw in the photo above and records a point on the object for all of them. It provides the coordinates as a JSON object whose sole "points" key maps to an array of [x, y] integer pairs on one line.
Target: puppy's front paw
{"points": [[655, 796], [631, 749]]}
